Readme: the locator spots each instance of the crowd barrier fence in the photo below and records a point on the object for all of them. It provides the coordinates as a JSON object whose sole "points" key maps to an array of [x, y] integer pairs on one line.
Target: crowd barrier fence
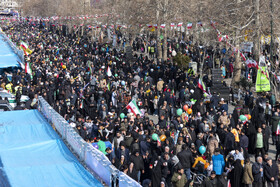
{"points": [[94, 159], [17, 51]]}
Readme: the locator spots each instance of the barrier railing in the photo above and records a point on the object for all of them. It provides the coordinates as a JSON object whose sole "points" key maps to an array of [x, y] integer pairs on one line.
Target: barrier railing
{"points": [[17, 51], [94, 159]]}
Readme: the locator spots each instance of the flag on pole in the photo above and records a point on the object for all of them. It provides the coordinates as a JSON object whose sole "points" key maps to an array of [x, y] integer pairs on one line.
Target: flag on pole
{"points": [[133, 107], [251, 63], [172, 92], [109, 73], [201, 85], [180, 24], [89, 67], [189, 25], [108, 86], [25, 48], [278, 129], [242, 55], [28, 68], [199, 23], [228, 184], [172, 24], [162, 25]]}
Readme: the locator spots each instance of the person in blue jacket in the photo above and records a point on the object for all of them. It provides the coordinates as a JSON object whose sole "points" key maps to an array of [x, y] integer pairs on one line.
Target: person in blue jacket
{"points": [[218, 162]]}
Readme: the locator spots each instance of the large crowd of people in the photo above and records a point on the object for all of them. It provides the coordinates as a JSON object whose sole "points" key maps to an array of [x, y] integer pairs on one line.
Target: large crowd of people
{"points": [[91, 83]]}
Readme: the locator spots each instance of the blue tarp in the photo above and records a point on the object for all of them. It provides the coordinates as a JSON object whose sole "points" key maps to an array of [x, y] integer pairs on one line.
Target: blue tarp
{"points": [[7, 56], [32, 154]]}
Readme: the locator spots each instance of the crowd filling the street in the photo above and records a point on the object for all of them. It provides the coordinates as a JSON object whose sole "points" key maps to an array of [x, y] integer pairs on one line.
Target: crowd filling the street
{"points": [[164, 125]]}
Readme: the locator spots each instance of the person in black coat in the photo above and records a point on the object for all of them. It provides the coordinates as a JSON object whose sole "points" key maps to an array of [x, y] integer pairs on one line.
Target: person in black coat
{"points": [[250, 132], [156, 173], [258, 172], [138, 164], [271, 173], [186, 159], [229, 142], [122, 150], [236, 174], [266, 134], [244, 143]]}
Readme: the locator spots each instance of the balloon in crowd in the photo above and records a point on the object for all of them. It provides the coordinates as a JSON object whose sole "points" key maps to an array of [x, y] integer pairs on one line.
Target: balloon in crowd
{"points": [[122, 115], [242, 118], [162, 138], [189, 111], [179, 112], [185, 108], [123, 83], [248, 116], [202, 149], [155, 137]]}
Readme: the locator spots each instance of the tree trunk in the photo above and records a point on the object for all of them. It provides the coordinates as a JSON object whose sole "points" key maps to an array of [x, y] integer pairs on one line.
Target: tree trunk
{"points": [[159, 49], [165, 45], [236, 70], [165, 32], [257, 30], [237, 64]]}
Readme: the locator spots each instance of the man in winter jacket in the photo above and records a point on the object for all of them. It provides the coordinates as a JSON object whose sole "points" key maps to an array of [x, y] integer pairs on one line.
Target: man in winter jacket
{"points": [[229, 142], [138, 163], [218, 162], [258, 172], [179, 179], [271, 173], [186, 159]]}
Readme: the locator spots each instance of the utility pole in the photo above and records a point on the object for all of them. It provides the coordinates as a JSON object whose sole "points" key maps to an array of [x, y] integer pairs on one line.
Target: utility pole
{"points": [[271, 27]]}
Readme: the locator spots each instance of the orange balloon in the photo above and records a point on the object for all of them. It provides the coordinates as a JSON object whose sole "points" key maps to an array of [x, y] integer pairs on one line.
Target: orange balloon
{"points": [[185, 107], [189, 111], [162, 138], [63, 66], [249, 116]]}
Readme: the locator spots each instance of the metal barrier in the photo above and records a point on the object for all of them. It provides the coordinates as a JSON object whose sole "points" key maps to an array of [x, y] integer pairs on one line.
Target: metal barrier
{"points": [[94, 159], [17, 51]]}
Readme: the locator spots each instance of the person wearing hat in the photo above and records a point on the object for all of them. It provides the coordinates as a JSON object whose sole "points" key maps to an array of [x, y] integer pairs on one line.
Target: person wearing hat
{"points": [[271, 173]]}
